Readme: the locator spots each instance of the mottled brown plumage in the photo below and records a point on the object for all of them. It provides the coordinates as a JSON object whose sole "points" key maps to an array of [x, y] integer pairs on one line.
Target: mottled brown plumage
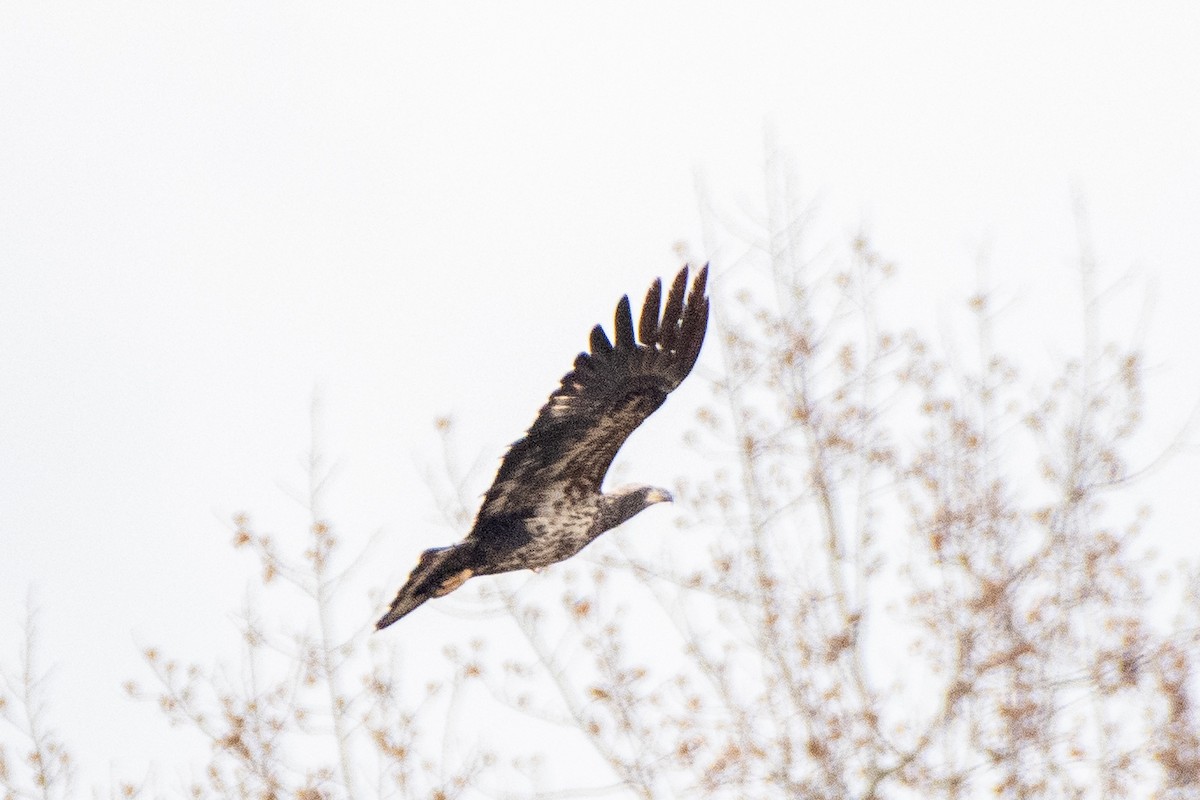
{"points": [[545, 504]]}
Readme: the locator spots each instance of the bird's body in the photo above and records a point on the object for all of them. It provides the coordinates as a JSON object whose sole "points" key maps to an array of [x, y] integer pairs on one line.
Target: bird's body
{"points": [[545, 504]]}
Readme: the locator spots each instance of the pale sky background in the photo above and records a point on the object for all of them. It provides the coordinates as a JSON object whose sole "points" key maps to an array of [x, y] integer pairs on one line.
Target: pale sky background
{"points": [[207, 210]]}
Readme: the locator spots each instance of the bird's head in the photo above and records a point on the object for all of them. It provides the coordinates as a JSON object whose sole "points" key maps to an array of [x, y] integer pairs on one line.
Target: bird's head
{"points": [[626, 501], [641, 497], [653, 494]]}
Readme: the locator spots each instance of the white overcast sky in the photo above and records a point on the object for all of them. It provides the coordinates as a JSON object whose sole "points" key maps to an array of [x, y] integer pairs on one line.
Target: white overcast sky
{"points": [[207, 210]]}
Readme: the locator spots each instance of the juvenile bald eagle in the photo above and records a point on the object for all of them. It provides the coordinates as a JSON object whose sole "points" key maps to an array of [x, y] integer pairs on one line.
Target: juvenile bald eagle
{"points": [[545, 504]]}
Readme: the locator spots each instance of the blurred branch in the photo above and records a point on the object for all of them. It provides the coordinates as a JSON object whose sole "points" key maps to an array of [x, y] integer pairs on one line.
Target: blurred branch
{"points": [[45, 769]]}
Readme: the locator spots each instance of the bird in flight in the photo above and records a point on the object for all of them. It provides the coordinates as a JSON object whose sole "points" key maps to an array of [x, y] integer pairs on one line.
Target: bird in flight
{"points": [[545, 504]]}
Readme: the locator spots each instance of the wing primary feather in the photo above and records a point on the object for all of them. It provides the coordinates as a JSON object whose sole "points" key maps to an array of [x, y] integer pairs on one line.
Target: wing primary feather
{"points": [[695, 318], [696, 324], [669, 330], [648, 325], [699, 285], [623, 326], [599, 340]]}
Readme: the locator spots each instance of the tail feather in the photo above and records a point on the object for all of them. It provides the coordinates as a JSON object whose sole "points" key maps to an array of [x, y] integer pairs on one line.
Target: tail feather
{"points": [[440, 571]]}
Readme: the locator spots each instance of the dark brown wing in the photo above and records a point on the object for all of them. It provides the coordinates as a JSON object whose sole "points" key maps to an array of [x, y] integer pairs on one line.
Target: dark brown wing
{"points": [[603, 399]]}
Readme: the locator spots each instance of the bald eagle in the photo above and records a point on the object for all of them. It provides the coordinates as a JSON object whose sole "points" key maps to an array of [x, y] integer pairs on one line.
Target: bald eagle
{"points": [[545, 504]]}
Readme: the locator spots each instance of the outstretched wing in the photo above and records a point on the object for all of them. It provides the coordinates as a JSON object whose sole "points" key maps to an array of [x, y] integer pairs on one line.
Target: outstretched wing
{"points": [[610, 391]]}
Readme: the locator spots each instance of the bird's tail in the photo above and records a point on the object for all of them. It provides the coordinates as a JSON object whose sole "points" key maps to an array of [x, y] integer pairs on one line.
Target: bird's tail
{"points": [[440, 571]]}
